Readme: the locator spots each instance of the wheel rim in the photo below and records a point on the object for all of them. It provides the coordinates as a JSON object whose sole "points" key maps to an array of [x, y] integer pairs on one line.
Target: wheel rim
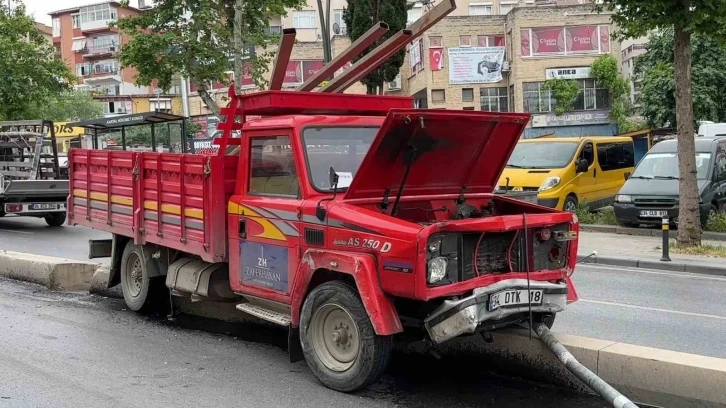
{"points": [[570, 206], [135, 275], [335, 337]]}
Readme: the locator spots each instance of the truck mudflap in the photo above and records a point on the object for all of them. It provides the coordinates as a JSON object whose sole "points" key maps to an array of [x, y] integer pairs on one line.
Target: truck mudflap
{"points": [[495, 302]]}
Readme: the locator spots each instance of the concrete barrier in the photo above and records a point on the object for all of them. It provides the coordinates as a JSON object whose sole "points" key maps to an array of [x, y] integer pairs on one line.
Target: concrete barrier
{"points": [[55, 273], [646, 375]]}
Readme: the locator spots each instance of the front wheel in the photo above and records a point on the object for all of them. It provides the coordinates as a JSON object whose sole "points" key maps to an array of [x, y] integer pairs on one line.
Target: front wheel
{"points": [[338, 340], [570, 204], [55, 219]]}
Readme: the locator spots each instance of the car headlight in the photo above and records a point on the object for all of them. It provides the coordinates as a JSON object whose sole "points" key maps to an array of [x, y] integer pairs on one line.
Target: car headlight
{"points": [[437, 269], [623, 198], [550, 183]]}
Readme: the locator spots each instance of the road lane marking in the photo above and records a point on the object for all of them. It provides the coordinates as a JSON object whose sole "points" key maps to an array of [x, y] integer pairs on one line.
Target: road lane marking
{"points": [[653, 309], [17, 232], [680, 275]]}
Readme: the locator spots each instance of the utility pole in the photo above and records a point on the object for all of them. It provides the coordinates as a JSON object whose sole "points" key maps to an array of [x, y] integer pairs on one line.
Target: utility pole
{"points": [[325, 29]]}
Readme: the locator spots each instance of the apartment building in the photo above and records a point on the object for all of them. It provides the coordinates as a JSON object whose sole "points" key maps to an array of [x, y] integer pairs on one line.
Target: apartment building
{"points": [[90, 47], [46, 31], [631, 50], [498, 62]]}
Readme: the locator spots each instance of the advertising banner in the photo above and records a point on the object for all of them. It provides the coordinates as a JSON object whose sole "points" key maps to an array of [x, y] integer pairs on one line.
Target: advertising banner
{"points": [[582, 39], [548, 40], [436, 58], [475, 65]]}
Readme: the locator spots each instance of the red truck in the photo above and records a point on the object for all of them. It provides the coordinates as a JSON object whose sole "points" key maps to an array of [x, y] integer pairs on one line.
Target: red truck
{"points": [[349, 219]]}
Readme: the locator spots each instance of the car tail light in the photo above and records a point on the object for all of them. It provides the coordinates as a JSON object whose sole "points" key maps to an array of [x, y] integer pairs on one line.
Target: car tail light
{"points": [[13, 208]]}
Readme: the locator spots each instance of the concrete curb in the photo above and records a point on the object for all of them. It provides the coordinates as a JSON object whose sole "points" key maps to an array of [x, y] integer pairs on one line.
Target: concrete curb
{"points": [[99, 284], [644, 232], [673, 266], [646, 375], [54, 273]]}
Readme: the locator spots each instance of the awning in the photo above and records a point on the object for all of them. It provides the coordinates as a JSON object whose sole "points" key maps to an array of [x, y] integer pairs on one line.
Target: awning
{"points": [[135, 119]]}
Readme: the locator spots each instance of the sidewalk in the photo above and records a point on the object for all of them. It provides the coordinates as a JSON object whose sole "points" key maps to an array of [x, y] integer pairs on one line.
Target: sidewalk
{"points": [[645, 252]]}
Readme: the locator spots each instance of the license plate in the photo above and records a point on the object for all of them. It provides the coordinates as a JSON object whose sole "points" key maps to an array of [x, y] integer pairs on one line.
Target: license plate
{"points": [[653, 214], [514, 298], [43, 206]]}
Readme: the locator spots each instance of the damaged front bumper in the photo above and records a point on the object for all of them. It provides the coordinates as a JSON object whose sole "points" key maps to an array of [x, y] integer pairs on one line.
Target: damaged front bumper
{"points": [[456, 317]]}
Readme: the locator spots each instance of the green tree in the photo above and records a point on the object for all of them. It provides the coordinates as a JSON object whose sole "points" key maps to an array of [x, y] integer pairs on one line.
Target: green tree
{"points": [[31, 72], [70, 106], [606, 71], [361, 15], [658, 79], [198, 39], [636, 18], [565, 91]]}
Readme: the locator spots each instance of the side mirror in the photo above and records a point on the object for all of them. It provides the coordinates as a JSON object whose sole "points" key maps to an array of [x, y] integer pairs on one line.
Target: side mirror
{"points": [[320, 212], [582, 166]]}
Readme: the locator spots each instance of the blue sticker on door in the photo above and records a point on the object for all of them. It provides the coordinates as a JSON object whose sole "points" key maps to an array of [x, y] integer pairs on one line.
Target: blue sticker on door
{"points": [[264, 266]]}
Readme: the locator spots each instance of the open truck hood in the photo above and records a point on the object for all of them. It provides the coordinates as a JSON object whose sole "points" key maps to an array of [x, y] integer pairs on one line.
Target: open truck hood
{"points": [[449, 150]]}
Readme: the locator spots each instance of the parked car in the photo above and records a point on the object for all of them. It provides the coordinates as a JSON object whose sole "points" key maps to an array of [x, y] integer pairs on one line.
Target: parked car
{"points": [[566, 171], [712, 130], [652, 191]]}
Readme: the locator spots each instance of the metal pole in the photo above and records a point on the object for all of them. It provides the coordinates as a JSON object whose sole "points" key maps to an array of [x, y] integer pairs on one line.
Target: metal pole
{"points": [[603, 389], [666, 239], [183, 136], [185, 96], [123, 136], [153, 138], [94, 140]]}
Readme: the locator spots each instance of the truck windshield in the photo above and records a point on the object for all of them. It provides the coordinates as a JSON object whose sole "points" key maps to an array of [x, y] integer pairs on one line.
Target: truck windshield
{"points": [[542, 155], [341, 148], [665, 165]]}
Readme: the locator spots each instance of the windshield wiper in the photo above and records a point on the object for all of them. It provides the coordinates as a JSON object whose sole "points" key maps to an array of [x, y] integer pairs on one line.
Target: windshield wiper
{"points": [[642, 177], [667, 177]]}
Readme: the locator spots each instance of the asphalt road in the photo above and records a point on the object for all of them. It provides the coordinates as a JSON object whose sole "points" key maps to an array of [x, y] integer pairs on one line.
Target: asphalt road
{"points": [[668, 310], [74, 350], [673, 311]]}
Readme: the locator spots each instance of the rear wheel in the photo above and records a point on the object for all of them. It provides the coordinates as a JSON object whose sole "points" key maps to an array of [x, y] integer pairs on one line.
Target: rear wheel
{"points": [[712, 212], [338, 339], [141, 293], [55, 219]]}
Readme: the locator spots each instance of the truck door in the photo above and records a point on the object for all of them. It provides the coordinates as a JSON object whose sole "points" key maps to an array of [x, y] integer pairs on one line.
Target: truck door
{"points": [[267, 231]]}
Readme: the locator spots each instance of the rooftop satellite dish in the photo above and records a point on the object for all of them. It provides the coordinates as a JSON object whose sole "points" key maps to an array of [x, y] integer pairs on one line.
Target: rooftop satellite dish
{"points": [[336, 28]]}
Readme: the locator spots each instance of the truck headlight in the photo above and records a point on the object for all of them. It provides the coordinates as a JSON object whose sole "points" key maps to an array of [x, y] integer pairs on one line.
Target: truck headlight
{"points": [[623, 198], [550, 183], [437, 269]]}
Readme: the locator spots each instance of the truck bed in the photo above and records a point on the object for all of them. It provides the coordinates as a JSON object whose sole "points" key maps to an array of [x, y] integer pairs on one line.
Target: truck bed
{"points": [[35, 188], [175, 200]]}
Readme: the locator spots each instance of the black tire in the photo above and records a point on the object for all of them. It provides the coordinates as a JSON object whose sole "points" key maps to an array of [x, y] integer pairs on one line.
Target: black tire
{"points": [[55, 219], [141, 293], [570, 204], [373, 351]]}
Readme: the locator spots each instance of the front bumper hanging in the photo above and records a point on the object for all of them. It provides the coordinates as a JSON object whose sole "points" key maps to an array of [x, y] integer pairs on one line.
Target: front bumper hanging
{"points": [[456, 317]]}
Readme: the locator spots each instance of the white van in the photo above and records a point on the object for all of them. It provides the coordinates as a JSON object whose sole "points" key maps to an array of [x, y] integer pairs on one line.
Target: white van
{"points": [[710, 129]]}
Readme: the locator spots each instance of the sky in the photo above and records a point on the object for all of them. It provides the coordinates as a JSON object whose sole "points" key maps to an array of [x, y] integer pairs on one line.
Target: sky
{"points": [[40, 8]]}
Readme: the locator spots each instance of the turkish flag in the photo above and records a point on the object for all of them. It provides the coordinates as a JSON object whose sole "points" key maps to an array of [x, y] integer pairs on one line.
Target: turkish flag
{"points": [[436, 56]]}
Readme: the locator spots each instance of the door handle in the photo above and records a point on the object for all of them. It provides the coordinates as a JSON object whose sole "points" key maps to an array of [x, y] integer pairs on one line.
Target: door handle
{"points": [[242, 228]]}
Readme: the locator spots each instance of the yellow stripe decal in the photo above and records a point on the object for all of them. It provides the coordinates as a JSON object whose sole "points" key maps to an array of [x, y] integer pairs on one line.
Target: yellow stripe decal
{"points": [[269, 230], [149, 205]]}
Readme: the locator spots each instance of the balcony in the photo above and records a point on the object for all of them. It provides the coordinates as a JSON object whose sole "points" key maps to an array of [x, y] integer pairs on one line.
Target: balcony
{"points": [[93, 52], [97, 25], [103, 77]]}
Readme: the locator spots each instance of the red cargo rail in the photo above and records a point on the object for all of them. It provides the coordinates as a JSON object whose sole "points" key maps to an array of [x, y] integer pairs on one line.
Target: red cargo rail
{"points": [[175, 200]]}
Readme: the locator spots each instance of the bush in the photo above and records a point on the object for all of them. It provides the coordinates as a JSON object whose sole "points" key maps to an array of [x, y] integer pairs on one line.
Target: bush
{"points": [[716, 223], [603, 216]]}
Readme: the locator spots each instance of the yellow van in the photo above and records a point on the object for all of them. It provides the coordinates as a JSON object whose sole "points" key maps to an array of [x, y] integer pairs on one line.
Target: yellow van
{"points": [[567, 171]]}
